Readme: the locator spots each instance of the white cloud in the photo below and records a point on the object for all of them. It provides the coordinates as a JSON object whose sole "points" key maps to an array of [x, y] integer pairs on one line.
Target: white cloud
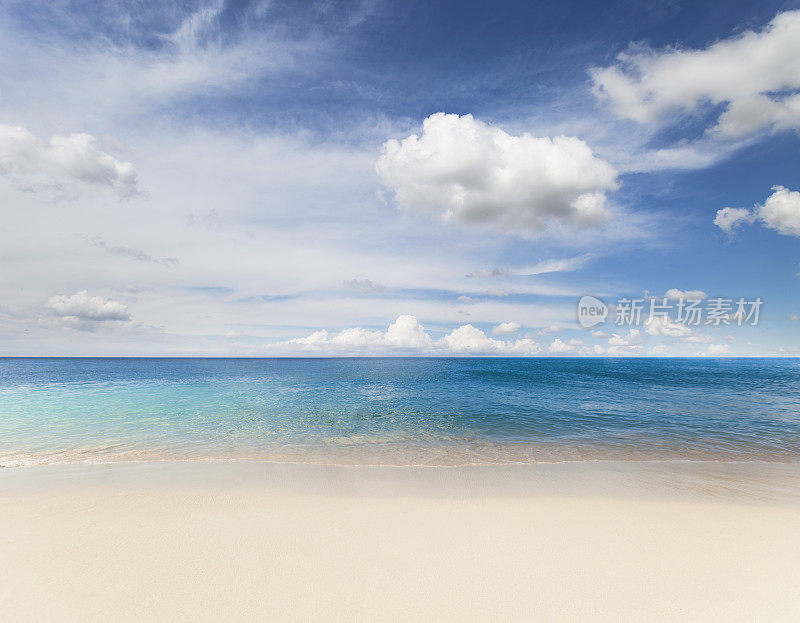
{"points": [[727, 219], [781, 212], [719, 349], [65, 159], [472, 172], [470, 339], [559, 347], [756, 74], [626, 344], [111, 75], [406, 332], [633, 338], [663, 326], [82, 307], [506, 327], [749, 115], [407, 335], [553, 266], [692, 295]]}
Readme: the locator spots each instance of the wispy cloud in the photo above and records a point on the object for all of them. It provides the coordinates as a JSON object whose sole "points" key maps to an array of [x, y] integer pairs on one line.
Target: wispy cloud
{"points": [[134, 254]]}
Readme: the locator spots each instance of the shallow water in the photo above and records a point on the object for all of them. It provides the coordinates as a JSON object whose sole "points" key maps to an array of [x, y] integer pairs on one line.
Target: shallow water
{"points": [[398, 411]]}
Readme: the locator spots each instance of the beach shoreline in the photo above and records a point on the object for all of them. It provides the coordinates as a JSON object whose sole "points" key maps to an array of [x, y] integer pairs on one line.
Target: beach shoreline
{"points": [[240, 540]]}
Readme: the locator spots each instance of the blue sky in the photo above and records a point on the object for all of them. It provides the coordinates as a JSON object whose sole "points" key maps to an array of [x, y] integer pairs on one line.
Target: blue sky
{"points": [[259, 178]]}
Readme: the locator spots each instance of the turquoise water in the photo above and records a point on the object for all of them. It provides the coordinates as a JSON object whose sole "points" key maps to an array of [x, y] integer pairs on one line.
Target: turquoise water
{"points": [[398, 411]]}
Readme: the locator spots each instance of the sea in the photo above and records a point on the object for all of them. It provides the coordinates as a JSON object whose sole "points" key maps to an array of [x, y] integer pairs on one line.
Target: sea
{"points": [[398, 411]]}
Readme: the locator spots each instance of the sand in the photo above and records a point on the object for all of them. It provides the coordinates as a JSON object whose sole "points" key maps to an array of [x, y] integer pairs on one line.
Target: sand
{"points": [[242, 542]]}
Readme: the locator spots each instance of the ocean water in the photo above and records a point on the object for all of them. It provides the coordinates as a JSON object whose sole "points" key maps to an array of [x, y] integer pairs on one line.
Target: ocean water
{"points": [[397, 410]]}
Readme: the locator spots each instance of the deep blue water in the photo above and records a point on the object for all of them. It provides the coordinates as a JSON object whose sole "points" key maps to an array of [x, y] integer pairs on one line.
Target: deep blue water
{"points": [[398, 410]]}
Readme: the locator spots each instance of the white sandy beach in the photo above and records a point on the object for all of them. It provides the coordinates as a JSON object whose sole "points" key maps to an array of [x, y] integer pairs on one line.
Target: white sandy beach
{"points": [[221, 542]]}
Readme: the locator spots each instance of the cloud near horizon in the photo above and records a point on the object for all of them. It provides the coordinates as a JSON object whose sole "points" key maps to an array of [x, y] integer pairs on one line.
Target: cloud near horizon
{"points": [[407, 335]]}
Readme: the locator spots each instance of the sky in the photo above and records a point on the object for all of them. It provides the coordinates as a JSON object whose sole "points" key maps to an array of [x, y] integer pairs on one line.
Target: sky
{"points": [[353, 178]]}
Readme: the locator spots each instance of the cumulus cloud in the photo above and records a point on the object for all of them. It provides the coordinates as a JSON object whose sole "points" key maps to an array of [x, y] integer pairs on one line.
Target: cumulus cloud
{"points": [[80, 307], [756, 75], [675, 294], [403, 333], [634, 337], [406, 334], [471, 172], [469, 339], [505, 328], [559, 347], [781, 212], [718, 349], [752, 114], [626, 344], [73, 158], [728, 219], [663, 326]]}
